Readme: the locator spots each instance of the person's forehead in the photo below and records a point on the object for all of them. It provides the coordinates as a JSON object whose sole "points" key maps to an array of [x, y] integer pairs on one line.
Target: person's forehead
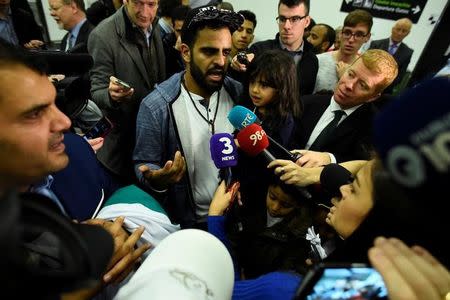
{"points": [[358, 27], [280, 194], [248, 24], [319, 30], [402, 25], [213, 37], [23, 88], [55, 3], [298, 10], [371, 77]]}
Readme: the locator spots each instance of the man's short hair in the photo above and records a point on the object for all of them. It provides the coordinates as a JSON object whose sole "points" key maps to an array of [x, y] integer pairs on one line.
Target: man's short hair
{"points": [[292, 3], [11, 55], [359, 16], [180, 13], [79, 3], [380, 62], [330, 35], [167, 6], [208, 17], [249, 16]]}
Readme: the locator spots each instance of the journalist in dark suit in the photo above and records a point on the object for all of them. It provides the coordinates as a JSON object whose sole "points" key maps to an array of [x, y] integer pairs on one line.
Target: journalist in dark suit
{"points": [[122, 49], [80, 45], [337, 128], [70, 15], [394, 45]]}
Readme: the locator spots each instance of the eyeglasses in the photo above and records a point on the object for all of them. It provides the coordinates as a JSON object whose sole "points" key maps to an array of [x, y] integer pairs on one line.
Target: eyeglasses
{"points": [[347, 34], [293, 19]]}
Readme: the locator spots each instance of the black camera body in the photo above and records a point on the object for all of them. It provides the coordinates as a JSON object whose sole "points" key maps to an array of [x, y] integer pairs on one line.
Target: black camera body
{"points": [[242, 58]]}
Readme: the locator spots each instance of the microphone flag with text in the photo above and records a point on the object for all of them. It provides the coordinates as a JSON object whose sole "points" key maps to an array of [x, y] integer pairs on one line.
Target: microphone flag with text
{"points": [[224, 155], [241, 117]]}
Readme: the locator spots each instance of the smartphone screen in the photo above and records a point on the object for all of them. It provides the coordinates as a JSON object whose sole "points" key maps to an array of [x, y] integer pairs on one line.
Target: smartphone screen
{"points": [[100, 129], [353, 282]]}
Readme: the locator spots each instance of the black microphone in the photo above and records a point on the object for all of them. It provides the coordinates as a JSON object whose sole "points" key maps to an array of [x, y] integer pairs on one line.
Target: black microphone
{"points": [[253, 141]]}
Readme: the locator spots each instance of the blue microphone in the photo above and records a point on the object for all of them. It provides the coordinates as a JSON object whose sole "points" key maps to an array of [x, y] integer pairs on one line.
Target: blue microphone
{"points": [[240, 117]]}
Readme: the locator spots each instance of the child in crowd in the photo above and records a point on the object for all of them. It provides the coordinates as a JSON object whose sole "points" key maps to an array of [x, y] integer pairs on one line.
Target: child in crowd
{"points": [[273, 94], [272, 238]]}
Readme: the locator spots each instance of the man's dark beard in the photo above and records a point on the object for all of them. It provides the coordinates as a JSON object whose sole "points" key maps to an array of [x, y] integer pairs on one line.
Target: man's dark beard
{"points": [[200, 78]]}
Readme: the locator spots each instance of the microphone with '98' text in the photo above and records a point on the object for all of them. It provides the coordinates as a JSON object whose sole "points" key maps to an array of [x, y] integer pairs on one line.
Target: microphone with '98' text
{"points": [[224, 155], [241, 117], [253, 141]]}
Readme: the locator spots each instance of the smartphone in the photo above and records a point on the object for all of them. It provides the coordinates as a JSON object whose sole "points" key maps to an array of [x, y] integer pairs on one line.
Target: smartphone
{"points": [[342, 281], [100, 129], [123, 84]]}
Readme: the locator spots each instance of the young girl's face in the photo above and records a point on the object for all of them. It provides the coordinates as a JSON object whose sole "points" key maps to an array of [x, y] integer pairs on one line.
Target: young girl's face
{"points": [[279, 204], [352, 208], [260, 93]]}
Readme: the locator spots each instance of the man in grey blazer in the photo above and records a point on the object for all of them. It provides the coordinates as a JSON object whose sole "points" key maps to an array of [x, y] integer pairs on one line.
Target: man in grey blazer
{"points": [[126, 46], [395, 46]]}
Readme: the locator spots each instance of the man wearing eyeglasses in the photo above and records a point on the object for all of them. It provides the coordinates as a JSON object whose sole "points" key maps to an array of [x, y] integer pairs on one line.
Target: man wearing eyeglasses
{"points": [[355, 32], [292, 20], [70, 15], [126, 46]]}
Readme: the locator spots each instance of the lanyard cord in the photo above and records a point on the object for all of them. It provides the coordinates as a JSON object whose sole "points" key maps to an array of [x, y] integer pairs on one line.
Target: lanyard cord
{"points": [[207, 120]]}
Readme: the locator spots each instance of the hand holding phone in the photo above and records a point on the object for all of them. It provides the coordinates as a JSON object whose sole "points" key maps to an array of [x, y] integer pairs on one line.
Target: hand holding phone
{"points": [[122, 84], [100, 129], [119, 90]]}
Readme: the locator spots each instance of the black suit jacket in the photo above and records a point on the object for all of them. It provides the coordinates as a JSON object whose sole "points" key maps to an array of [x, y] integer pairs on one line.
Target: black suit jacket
{"points": [[25, 25], [402, 56], [82, 39], [353, 137], [306, 68]]}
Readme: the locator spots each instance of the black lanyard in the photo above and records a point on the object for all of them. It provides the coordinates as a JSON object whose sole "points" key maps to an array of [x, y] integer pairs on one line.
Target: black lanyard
{"points": [[207, 120]]}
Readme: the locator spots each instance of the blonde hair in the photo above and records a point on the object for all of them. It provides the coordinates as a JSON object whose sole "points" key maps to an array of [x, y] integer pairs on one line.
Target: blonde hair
{"points": [[381, 62]]}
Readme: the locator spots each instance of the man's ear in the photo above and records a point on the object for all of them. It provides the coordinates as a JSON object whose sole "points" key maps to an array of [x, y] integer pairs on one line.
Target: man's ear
{"points": [[185, 53], [74, 6], [307, 21], [367, 37], [325, 45]]}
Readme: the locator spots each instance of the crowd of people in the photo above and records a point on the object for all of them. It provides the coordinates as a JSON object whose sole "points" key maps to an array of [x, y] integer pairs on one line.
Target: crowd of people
{"points": [[324, 163]]}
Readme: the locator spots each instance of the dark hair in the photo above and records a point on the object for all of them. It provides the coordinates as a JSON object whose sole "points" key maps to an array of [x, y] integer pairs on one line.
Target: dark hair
{"points": [[167, 6], [277, 69], [79, 3], [290, 190], [396, 214], [208, 17], [330, 36], [359, 16], [292, 3], [11, 55], [249, 16], [180, 12]]}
